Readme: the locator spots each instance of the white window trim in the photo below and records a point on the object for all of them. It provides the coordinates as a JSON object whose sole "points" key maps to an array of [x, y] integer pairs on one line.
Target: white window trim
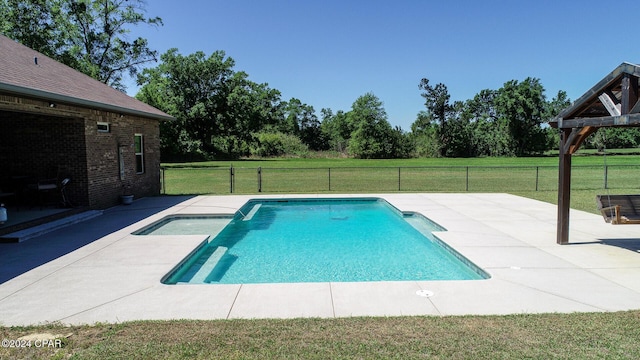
{"points": [[103, 124], [141, 153]]}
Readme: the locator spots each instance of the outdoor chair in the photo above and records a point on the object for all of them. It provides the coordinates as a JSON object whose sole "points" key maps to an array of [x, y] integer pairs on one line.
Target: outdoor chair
{"points": [[619, 209], [45, 188]]}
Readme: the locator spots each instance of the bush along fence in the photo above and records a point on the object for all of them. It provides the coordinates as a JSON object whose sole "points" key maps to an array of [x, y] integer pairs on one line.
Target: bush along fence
{"points": [[240, 180]]}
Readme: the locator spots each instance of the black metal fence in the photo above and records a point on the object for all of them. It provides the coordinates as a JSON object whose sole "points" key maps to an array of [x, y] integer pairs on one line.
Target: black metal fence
{"points": [[242, 180]]}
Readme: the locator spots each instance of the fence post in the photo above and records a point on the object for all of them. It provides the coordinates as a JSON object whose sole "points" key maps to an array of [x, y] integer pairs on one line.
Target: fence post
{"points": [[398, 178], [259, 178], [537, 174], [467, 187], [606, 176], [329, 179], [231, 179], [164, 190]]}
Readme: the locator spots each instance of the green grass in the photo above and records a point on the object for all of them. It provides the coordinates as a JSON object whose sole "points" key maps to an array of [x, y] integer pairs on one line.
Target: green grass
{"points": [[534, 177], [545, 336], [582, 158]]}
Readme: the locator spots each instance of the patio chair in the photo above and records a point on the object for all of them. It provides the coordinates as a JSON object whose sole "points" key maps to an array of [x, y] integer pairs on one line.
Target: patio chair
{"points": [[619, 209], [44, 188]]}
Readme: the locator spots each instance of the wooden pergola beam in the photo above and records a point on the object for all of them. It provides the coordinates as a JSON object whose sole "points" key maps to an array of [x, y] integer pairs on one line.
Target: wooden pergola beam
{"points": [[629, 93], [564, 188], [605, 121], [575, 138], [623, 112], [610, 104], [570, 141]]}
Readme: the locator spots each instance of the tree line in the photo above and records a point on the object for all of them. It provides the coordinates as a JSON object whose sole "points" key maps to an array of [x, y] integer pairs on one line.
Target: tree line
{"points": [[221, 113]]}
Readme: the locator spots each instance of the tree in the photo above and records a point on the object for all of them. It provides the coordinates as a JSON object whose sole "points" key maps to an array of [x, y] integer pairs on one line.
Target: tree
{"points": [[504, 122], [219, 111], [250, 108], [614, 138], [33, 24], [372, 136], [195, 90], [402, 143], [522, 105], [436, 99], [439, 110], [175, 142], [88, 35], [553, 108], [336, 129], [424, 136], [301, 120], [489, 133], [456, 135]]}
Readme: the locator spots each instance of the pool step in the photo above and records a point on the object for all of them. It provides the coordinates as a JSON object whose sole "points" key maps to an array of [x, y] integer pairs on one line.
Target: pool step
{"points": [[208, 266], [252, 212]]}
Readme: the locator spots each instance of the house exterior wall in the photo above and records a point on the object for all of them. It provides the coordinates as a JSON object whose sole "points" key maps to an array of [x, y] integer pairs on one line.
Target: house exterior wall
{"points": [[35, 137], [104, 149]]}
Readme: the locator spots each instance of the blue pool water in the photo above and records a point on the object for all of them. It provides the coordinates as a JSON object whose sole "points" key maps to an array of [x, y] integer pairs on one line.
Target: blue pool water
{"points": [[311, 240], [186, 224]]}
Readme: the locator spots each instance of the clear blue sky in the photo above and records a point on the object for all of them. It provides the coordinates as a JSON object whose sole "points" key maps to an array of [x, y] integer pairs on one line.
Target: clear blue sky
{"points": [[328, 53]]}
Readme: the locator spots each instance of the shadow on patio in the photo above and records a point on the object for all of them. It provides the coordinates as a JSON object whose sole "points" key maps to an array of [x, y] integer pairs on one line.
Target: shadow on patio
{"points": [[18, 258], [629, 244], [632, 244]]}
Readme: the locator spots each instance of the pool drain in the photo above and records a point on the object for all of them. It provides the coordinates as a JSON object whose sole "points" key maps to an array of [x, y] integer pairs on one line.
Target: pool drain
{"points": [[424, 293]]}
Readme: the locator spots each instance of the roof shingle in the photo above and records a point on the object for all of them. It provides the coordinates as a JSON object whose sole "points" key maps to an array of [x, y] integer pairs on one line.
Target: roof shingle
{"points": [[46, 78]]}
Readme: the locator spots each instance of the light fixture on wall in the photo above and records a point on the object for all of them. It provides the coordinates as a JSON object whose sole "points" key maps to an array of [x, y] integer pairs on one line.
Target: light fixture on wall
{"points": [[52, 105]]}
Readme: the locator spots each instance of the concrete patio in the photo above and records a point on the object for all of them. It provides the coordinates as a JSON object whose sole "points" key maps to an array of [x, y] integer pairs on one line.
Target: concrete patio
{"points": [[96, 271]]}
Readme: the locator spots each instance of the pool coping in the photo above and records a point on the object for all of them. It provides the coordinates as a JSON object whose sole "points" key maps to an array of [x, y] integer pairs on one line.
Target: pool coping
{"points": [[117, 277]]}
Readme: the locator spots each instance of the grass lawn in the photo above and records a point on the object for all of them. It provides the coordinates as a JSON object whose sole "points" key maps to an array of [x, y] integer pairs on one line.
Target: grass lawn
{"points": [[534, 177], [546, 336], [582, 158], [531, 336]]}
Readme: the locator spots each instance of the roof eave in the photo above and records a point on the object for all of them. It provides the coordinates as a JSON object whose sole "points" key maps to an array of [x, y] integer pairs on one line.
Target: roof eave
{"points": [[596, 90], [19, 90]]}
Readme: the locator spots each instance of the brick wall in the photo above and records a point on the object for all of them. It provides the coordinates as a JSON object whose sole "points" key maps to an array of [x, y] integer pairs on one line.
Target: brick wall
{"points": [[103, 160], [36, 138]]}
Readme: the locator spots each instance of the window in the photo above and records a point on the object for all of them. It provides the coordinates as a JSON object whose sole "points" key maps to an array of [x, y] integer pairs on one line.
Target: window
{"points": [[138, 145], [103, 127]]}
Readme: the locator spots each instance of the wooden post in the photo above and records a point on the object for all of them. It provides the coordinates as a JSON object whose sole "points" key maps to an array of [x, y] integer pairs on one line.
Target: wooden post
{"points": [[564, 188], [629, 93]]}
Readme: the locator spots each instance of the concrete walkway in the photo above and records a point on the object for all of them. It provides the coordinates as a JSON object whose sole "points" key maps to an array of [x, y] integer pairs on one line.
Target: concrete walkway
{"points": [[96, 271]]}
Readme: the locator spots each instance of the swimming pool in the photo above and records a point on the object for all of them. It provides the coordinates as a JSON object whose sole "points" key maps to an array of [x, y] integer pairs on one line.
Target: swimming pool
{"points": [[323, 240], [186, 224]]}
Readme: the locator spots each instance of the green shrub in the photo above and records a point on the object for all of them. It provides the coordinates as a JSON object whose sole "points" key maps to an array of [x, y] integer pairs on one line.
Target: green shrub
{"points": [[269, 144]]}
